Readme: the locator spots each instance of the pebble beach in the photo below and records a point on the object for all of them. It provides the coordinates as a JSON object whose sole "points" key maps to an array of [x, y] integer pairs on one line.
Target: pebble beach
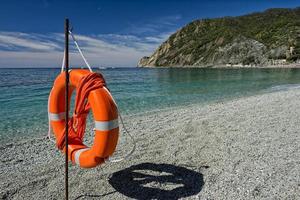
{"points": [[245, 148]]}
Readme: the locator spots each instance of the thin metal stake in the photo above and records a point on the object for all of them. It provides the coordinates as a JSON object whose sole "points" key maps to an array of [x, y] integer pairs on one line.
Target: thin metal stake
{"points": [[66, 103]]}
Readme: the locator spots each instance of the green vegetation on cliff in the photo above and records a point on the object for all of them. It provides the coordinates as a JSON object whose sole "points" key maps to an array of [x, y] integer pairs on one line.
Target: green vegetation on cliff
{"points": [[270, 37]]}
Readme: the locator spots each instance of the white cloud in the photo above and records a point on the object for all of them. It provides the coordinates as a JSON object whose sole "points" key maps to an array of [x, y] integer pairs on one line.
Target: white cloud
{"points": [[13, 40], [19, 49], [36, 50]]}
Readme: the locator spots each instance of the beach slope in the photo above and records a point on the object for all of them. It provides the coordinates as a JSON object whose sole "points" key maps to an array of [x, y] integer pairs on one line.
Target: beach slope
{"points": [[247, 148]]}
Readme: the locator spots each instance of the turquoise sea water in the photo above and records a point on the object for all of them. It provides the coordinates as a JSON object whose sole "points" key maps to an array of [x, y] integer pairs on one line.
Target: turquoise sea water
{"points": [[24, 92]]}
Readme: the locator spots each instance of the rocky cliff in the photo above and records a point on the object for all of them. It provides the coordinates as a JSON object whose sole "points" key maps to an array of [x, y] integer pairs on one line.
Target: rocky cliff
{"points": [[266, 38]]}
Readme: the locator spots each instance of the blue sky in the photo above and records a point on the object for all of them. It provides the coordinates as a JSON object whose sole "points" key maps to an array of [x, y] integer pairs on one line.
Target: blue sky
{"points": [[112, 33]]}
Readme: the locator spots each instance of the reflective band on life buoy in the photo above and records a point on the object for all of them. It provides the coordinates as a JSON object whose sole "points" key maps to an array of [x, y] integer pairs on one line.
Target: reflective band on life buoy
{"points": [[105, 114]]}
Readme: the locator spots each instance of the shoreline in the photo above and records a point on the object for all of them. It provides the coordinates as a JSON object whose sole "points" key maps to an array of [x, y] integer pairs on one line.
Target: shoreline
{"points": [[243, 148], [281, 66], [131, 116]]}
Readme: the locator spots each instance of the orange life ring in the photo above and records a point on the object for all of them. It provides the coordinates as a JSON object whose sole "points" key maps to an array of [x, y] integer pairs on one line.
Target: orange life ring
{"points": [[105, 114]]}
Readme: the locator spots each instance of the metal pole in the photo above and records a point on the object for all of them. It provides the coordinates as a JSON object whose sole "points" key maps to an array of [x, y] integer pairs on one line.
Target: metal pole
{"points": [[66, 103]]}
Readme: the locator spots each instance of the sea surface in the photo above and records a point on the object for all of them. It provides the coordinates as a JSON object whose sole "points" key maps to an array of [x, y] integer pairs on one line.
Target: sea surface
{"points": [[24, 92]]}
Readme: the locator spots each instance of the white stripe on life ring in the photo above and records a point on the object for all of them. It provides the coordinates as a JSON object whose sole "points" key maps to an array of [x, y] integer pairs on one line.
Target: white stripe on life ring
{"points": [[57, 116], [77, 155], [106, 125]]}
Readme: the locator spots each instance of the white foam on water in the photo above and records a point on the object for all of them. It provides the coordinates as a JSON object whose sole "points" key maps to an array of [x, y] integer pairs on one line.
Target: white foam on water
{"points": [[284, 87]]}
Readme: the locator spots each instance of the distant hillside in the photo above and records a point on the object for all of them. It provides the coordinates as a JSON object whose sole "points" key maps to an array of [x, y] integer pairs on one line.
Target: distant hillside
{"points": [[268, 38]]}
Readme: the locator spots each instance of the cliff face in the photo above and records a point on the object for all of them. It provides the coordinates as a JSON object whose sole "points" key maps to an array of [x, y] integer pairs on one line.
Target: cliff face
{"points": [[256, 39]]}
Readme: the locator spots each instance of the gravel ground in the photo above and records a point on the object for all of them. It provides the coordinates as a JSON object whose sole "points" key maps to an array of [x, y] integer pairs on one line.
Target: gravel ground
{"points": [[247, 148]]}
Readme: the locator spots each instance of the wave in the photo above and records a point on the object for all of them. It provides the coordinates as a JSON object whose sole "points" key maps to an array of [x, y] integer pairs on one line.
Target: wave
{"points": [[284, 87]]}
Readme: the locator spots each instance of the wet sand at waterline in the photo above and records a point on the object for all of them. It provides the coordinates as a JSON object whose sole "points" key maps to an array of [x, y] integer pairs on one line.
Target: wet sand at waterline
{"points": [[247, 148]]}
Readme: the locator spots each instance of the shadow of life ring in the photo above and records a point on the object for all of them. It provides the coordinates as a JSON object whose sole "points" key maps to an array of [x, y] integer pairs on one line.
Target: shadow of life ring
{"points": [[105, 114], [157, 181]]}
